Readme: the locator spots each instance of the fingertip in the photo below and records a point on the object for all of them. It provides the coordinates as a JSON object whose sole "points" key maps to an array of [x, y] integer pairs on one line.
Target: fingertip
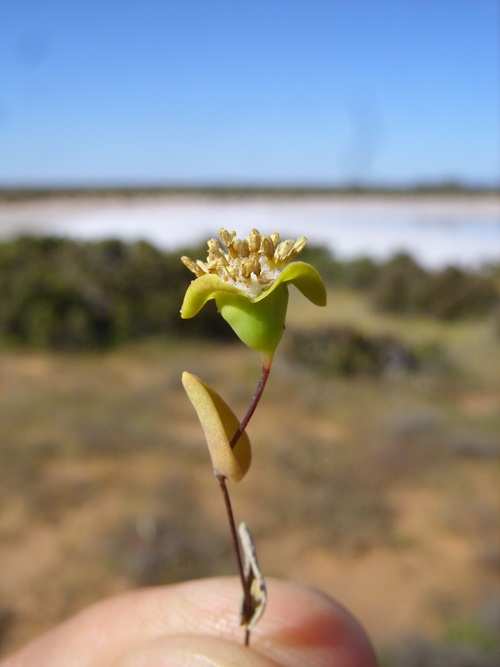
{"points": [[195, 623], [192, 651], [301, 625], [304, 626]]}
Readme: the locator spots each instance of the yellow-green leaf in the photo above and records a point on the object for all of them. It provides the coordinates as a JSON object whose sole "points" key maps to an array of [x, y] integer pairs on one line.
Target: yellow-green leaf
{"points": [[219, 424]]}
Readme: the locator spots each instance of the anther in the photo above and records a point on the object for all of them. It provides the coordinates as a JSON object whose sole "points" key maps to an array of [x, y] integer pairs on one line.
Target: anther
{"points": [[254, 241], [244, 250], [226, 237]]}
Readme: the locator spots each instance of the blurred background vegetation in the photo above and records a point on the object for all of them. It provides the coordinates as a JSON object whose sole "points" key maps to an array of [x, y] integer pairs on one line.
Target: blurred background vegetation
{"points": [[57, 293], [388, 472]]}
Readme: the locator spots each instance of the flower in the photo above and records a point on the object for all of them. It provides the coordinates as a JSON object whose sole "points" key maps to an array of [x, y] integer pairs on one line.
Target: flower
{"points": [[249, 283]]}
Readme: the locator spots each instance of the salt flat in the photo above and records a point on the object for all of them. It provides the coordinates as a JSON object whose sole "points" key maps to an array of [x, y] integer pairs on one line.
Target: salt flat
{"points": [[436, 230]]}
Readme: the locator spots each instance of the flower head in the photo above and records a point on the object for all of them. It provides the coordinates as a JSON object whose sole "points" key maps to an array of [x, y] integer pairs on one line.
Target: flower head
{"points": [[251, 265], [248, 280]]}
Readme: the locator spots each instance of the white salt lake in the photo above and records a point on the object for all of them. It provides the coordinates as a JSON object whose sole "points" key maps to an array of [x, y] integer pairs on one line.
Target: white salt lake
{"points": [[436, 231]]}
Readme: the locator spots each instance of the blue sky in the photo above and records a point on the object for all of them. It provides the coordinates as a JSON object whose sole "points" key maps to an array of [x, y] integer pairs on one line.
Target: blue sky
{"points": [[325, 92]]}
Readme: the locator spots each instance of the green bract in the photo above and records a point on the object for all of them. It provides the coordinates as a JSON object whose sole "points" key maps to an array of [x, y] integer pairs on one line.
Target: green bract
{"points": [[258, 321]]}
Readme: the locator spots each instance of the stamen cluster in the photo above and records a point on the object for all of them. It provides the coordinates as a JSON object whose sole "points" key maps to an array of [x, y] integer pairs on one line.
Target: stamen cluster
{"points": [[251, 264]]}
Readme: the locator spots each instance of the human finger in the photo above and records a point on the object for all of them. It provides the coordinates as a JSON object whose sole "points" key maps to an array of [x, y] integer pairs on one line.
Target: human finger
{"points": [[300, 627]]}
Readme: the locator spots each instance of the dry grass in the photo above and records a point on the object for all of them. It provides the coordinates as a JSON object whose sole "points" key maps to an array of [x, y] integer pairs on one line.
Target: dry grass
{"points": [[383, 492]]}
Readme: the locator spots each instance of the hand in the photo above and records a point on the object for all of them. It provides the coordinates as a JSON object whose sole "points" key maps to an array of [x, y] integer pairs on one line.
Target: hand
{"points": [[194, 624]]}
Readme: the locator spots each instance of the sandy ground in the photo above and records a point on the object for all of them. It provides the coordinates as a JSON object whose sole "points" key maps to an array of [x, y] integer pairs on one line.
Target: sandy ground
{"points": [[89, 477]]}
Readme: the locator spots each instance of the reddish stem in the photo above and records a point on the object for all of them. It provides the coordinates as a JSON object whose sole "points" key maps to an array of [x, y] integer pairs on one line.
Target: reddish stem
{"points": [[255, 401], [266, 368], [237, 552]]}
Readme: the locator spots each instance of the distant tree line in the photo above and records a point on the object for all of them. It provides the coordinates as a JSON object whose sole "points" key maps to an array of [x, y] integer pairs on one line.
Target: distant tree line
{"points": [[401, 286], [63, 294], [448, 188]]}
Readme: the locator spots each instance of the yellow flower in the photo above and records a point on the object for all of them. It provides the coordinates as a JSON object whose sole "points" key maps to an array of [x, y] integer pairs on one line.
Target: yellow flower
{"points": [[248, 279]]}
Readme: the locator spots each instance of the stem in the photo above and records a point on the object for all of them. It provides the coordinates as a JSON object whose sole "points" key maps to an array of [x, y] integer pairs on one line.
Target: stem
{"points": [[237, 551], [247, 604], [255, 401]]}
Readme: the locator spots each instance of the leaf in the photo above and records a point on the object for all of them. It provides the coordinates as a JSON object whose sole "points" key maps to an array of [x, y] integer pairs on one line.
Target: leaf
{"points": [[219, 424]]}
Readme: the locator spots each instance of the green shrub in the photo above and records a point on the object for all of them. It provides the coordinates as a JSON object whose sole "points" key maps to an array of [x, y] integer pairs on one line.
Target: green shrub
{"points": [[57, 293], [456, 294], [402, 286], [361, 273], [346, 351]]}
